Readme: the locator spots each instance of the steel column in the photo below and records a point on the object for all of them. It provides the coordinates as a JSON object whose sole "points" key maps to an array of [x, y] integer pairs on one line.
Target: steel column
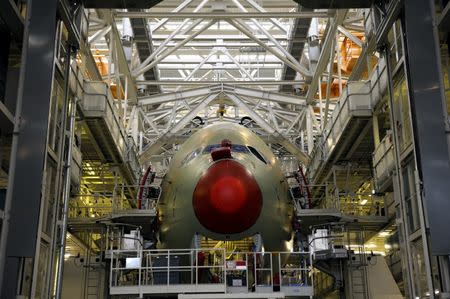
{"points": [[28, 150], [428, 117]]}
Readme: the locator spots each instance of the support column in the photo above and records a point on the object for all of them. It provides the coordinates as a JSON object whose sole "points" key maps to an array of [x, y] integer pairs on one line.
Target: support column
{"points": [[376, 130], [23, 199], [427, 102], [309, 131]]}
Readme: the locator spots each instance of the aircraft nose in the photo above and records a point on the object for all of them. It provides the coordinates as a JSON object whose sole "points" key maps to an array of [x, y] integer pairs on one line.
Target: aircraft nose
{"points": [[227, 198]]}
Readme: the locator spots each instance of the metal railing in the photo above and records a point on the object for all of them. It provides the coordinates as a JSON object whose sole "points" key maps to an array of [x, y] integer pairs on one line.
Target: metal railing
{"points": [[206, 270], [100, 205], [383, 159], [326, 196], [355, 98], [362, 205]]}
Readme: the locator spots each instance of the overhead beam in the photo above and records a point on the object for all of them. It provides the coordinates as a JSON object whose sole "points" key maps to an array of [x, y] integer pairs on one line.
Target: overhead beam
{"points": [[265, 95], [325, 53], [280, 56], [227, 82], [222, 15], [193, 113], [120, 4], [348, 34], [107, 16], [330, 4], [255, 116], [179, 95]]}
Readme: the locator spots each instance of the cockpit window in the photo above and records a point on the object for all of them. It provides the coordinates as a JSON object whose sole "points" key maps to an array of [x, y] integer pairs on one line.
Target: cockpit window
{"points": [[191, 156], [237, 148], [257, 154]]}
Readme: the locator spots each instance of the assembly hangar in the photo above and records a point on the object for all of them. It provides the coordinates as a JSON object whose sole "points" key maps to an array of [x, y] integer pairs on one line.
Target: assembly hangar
{"points": [[203, 149]]}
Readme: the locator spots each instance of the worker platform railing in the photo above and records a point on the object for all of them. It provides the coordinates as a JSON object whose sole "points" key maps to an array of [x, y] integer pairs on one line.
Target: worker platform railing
{"points": [[210, 270], [100, 206], [347, 122], [383, 163], [106, 128], [355, 103]]}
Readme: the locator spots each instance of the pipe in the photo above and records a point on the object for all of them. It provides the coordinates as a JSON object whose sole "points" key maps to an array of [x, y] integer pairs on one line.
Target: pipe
{"points": [[141, 187]]}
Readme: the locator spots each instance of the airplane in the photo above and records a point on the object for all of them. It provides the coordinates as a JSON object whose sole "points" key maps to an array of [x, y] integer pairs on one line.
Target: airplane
{"points": [[225, 184]]}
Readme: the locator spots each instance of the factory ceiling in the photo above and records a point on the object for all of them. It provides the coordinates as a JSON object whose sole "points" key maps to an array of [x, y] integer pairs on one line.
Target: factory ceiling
{"points": [[229, 60]]}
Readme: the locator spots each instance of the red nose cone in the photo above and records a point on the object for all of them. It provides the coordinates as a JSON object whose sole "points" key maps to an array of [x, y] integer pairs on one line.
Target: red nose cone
{"points": [[227, 199]]}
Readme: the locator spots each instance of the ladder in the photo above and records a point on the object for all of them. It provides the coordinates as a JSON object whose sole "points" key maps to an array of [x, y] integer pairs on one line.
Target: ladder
{"points": [[357, 270], [92, 283], [357, 283]]}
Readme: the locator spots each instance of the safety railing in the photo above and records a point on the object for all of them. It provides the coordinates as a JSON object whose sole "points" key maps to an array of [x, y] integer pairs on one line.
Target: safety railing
{"points": [[209, 270], [321, 196], [102, 205], [168, 271], [354, 101], [97, 103], [296, 278], [383, 160], [362, 205], [148, 203]]}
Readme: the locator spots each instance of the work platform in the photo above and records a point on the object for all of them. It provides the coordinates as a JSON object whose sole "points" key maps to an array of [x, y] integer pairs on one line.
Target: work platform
{"points": [[313, 217], [383, 163], [206, 272], [105, 139], [348, 136]]}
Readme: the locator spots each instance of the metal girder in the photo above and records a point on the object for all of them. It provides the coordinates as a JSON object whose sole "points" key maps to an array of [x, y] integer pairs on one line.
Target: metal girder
{"points": [[298, 37], [228, 89], [271, 38], [177, 9], [266, 95], [249, 33], [297, 66], [325, 53], [188, 117], [227, 82], [170, 51], [172, 35], [162, 46], [179, 95], [293, 149], [431, 139], [255, 116], [324, 117], [107, 16], [120, 4], [327, 4], [444, 18], [28, 149], [348, 34], [261, 9], [377, 39], [223, 15], [99, 34]]}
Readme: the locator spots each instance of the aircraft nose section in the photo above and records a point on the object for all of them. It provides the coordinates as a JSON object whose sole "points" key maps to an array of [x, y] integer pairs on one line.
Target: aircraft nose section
{"points": [[227, 198]]}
